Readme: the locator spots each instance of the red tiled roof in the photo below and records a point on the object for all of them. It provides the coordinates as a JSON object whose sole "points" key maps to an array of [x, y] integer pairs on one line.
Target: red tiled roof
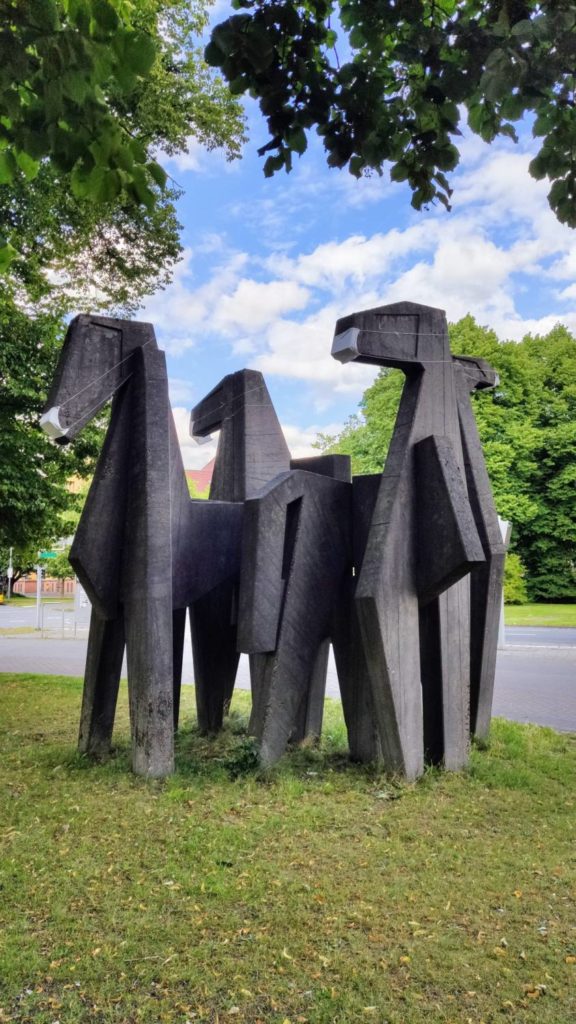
{"points": [[202, 477]]}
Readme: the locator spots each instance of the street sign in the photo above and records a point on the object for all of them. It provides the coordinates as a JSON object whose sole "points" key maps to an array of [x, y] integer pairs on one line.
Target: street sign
{"points": [[47, 554], [9, 572]]}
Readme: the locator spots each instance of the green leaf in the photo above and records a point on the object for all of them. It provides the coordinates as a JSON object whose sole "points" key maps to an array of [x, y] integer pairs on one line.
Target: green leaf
{"points": [[79, 181], [138, 151], [7, 167], [105, 15], [157, 173], [523, 30], [140, 52], [273, 164], [138, 189], [7, 254], [538, 166], [399, 171], [103, 185], [356, 166], [27, 164], [76, 86], [297, 140], [214, 55]]}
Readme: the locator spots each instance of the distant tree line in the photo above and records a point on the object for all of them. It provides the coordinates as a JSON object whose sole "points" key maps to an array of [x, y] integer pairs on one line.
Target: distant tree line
{"points": [[528, 429]]}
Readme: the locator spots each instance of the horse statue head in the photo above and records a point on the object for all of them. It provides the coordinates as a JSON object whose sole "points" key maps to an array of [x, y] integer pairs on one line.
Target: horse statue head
{"points": [[95, 361]]}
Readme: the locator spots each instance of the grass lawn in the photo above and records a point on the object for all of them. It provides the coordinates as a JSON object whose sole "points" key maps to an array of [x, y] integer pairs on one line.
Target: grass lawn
{"points": [[16, 630], [540, 615], [30, 600], [321, 894]]}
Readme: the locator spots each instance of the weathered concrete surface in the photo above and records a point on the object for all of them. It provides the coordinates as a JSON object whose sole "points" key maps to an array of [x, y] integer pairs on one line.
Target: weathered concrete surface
{"points": [[420, 689], [143, 550], [486, 580], [352, 666], [296, 553], [251, 451]]}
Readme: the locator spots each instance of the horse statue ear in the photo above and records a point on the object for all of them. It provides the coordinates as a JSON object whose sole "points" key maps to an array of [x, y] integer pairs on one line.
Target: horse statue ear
{"points": [[51, 425]]}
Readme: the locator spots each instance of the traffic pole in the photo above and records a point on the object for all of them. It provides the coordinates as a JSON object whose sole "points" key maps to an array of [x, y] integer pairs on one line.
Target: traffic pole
{"points": [[38, 594], [10, 573]]}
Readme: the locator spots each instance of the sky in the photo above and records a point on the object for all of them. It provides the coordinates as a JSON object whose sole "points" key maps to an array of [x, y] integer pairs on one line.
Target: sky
{"points": [[270, 264]]}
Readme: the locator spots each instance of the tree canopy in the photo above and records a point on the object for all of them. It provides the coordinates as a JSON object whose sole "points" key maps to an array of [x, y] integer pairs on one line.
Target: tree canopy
{"points": [[528, 428], [385, 83], [34, 490], [91, 92]]}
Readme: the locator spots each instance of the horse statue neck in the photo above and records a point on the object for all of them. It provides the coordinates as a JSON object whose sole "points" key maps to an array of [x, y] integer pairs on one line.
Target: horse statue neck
{"points": [[137, 494], [251, 446]]}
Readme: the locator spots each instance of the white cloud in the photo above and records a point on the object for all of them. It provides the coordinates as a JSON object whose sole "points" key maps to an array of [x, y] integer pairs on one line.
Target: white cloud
{"points": [[300, 440], [194, 455], [254, 304], [302, 350], [184, 308], [356, 260]]}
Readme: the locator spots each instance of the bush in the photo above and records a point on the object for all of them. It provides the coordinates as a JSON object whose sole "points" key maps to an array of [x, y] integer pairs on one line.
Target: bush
{"points": [[515, 591]]}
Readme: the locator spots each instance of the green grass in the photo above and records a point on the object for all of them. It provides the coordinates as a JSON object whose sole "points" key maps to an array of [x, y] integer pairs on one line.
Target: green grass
{"points": [[322, 893], [540, 615]]}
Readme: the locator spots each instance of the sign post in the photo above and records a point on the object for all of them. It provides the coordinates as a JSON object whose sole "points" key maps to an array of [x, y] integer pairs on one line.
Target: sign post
{"points": [[38, 594], [10, 573]]}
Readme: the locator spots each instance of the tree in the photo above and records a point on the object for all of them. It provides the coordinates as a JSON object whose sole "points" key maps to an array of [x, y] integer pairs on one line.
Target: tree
{"points": [[528, 429], [385, 83], [34, 491], [90, 92]]}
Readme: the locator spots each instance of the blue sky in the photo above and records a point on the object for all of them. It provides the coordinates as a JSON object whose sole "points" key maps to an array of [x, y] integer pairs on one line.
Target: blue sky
{"points": [[269, 265]]}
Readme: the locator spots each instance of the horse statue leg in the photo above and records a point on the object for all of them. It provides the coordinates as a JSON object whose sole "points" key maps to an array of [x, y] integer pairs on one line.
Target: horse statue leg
{"points": [[178, 628], [106, 644]]}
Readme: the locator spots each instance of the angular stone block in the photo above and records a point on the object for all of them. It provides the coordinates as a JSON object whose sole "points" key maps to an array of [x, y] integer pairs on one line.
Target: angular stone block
{"points": [[296, 553], [486, 580]]}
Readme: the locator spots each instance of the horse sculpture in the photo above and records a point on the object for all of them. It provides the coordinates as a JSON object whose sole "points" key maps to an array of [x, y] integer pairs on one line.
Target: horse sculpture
{"points": [[422, 540], [251, 451], [144, 551]]}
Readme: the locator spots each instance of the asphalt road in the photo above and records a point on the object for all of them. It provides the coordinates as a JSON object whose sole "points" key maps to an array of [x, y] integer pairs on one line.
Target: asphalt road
{"points": [[17, 616], [533, 683], [540, 636]]}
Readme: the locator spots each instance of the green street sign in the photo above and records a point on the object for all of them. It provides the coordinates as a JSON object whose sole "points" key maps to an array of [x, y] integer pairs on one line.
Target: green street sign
{"points": [[48, 554]]}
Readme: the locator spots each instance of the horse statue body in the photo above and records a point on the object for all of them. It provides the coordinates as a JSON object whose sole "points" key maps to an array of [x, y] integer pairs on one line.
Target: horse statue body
{"points": [[144, 551], [251, 452], [412, 599], [296, 555]]}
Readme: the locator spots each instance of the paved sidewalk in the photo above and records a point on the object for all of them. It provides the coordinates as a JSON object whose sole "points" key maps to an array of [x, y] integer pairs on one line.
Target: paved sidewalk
{"points": [[533, 684]]}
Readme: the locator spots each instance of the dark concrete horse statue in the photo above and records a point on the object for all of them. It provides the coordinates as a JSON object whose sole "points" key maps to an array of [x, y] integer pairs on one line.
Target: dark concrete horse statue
{"points": [[412, 599], [251, 452], [144, 551], [253, 464]]}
